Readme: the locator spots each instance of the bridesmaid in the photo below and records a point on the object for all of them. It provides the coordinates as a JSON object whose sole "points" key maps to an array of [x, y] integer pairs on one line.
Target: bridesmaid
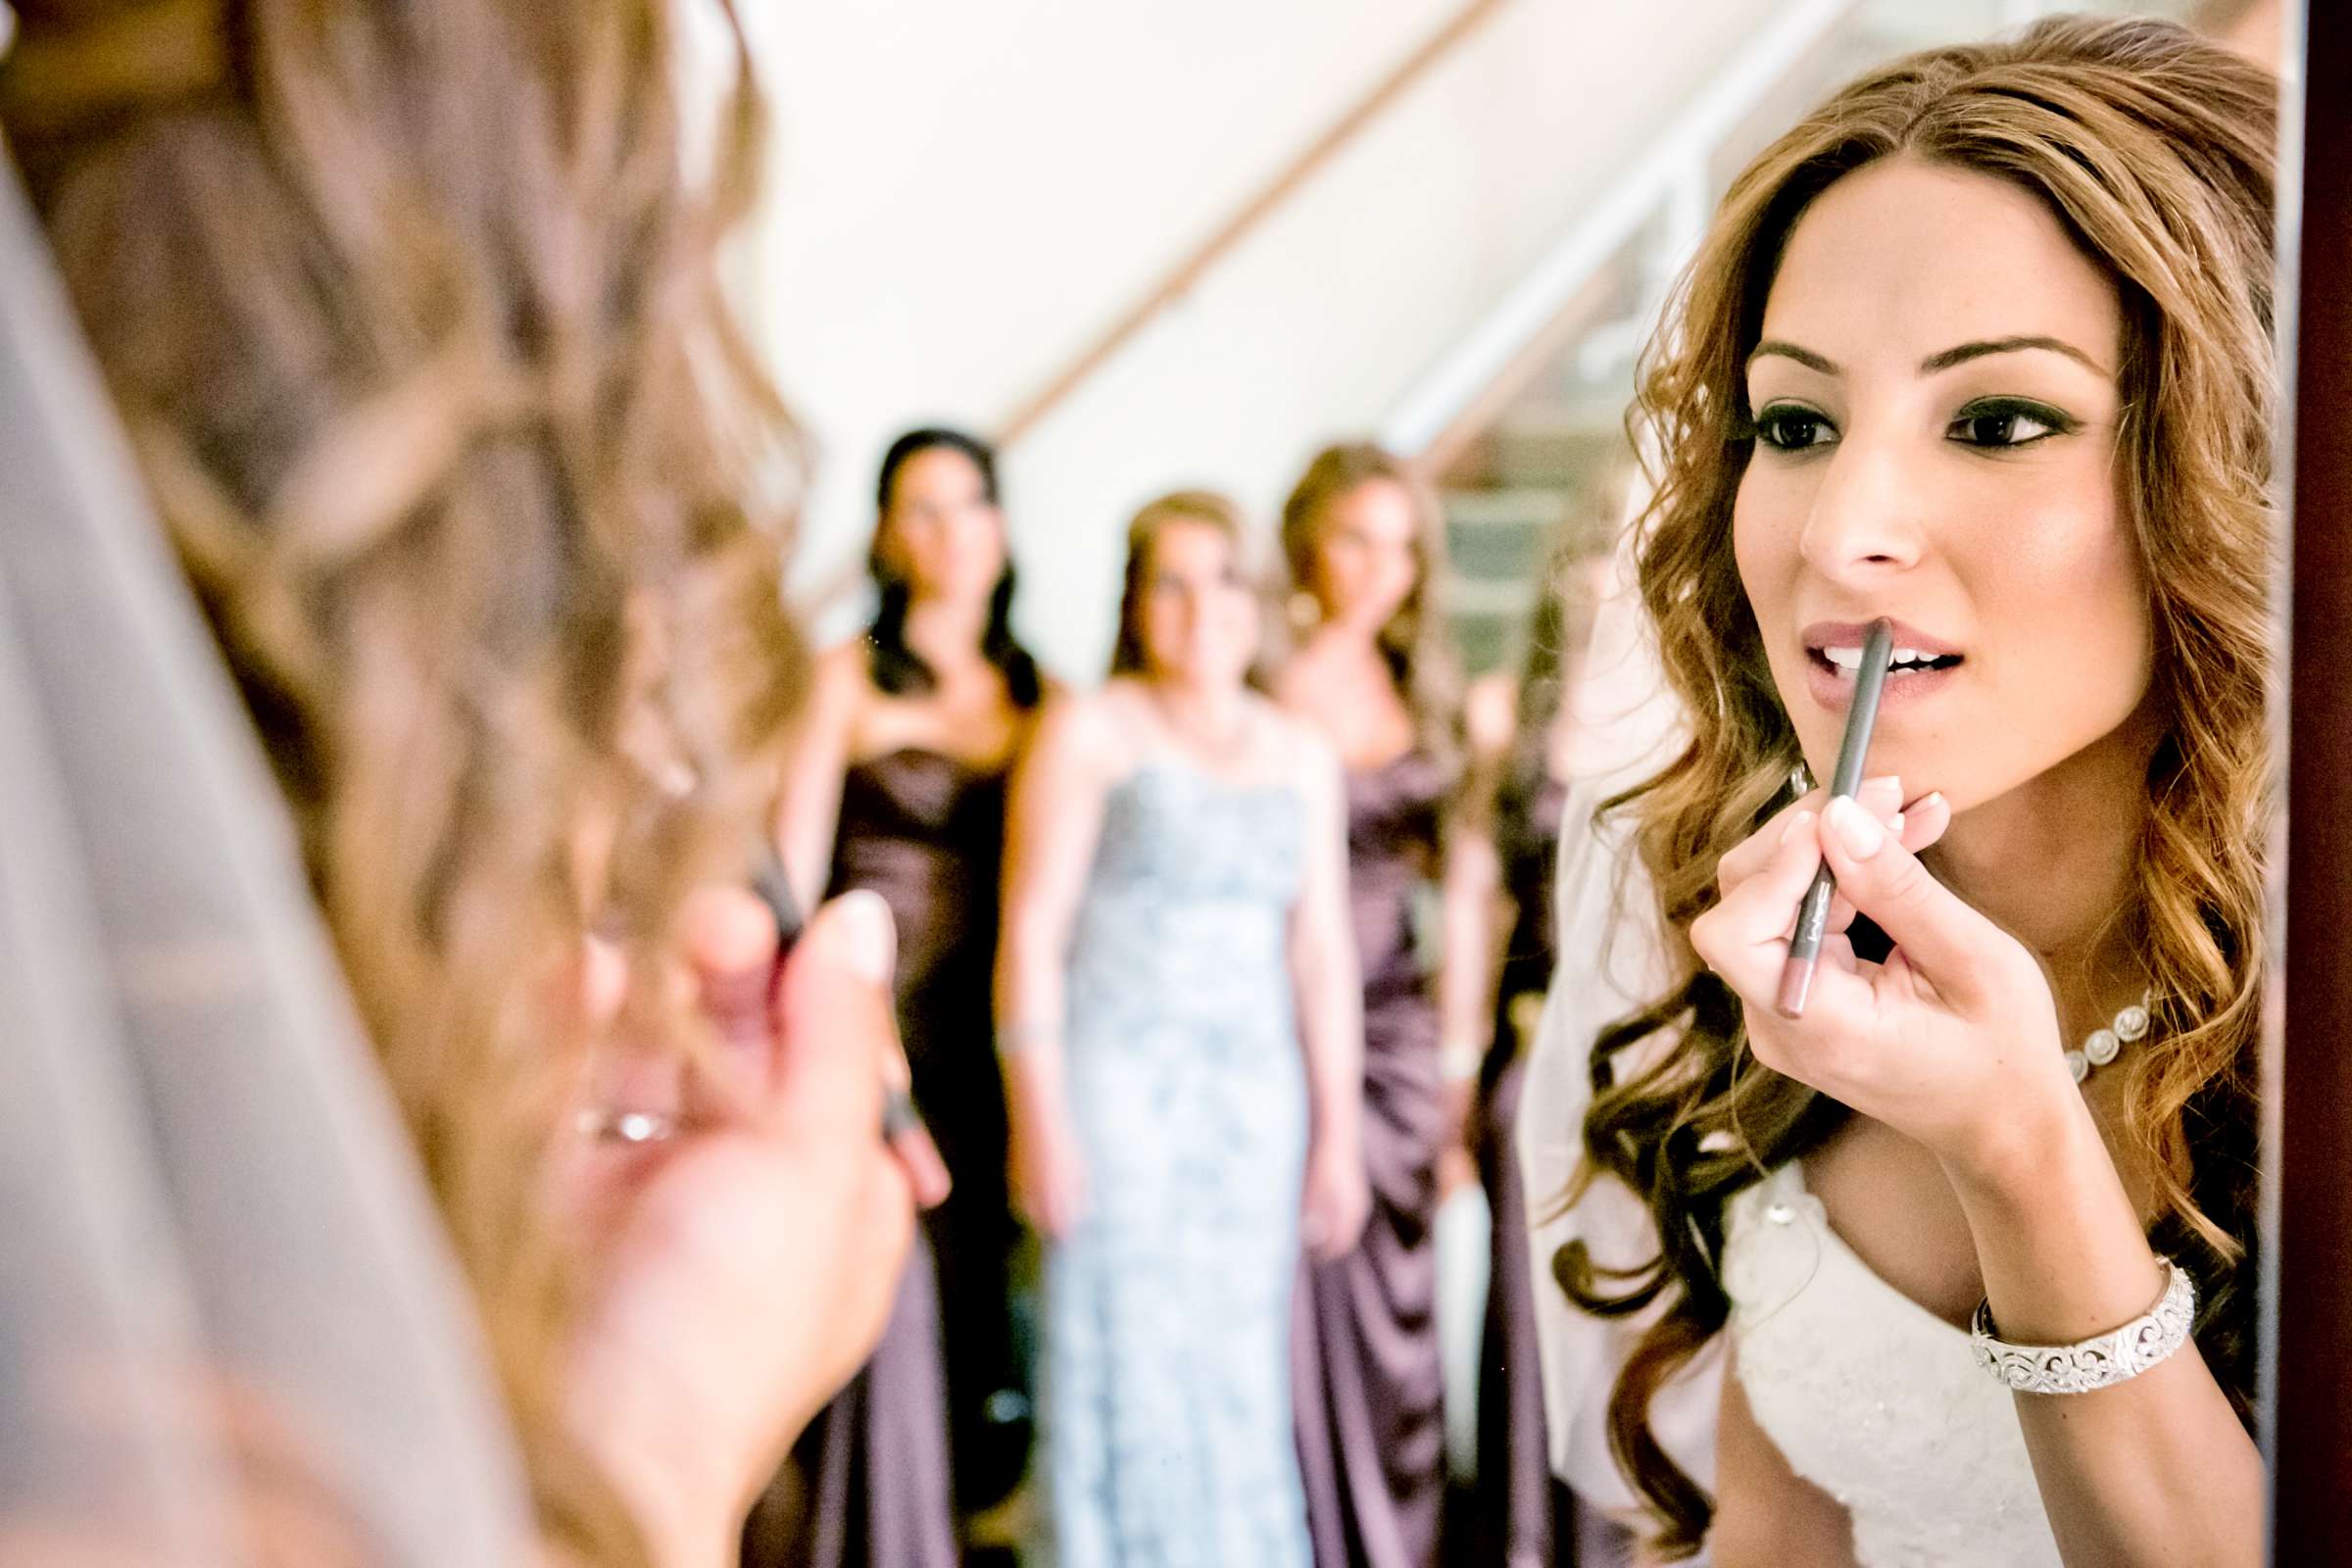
{"points": [[1180, 1004], [897, 785], [1375, 671]]}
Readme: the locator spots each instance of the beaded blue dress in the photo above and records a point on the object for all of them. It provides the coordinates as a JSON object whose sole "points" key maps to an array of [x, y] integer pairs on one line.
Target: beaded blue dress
{"points": [[1167, 1378]]}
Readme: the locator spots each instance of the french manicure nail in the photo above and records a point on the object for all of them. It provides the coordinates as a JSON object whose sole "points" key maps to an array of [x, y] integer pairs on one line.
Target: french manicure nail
{"points": [[1861, 836], [1885, 783], [1895, 824], [1796, 825], [861, 935]]}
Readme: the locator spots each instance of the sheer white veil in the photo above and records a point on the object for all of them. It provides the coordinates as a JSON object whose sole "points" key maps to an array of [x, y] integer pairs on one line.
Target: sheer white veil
{"points": [[231, 1328]]}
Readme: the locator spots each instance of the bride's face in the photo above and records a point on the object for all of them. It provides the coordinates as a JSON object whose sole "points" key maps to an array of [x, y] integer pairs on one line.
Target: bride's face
{"points": [[1936, 403]]}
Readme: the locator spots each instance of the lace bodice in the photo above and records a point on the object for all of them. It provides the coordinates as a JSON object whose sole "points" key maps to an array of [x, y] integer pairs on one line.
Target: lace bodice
{"points": [[1873, 1399]]}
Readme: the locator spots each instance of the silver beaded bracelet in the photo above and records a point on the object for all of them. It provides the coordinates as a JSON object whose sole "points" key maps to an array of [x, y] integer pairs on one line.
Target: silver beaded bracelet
{"points": [[2093, 1364]]}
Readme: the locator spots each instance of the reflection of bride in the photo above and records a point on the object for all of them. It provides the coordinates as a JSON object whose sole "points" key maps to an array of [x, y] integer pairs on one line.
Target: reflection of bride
{"points": [[410, 316], [1987, 341]]}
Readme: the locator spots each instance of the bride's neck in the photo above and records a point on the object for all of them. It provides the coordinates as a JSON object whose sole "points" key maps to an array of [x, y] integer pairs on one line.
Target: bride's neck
{"points": [[2056, 861]]}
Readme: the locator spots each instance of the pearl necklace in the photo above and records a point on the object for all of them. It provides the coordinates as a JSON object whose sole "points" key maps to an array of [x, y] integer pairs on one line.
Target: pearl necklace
{"points": [[2101, 1047]]}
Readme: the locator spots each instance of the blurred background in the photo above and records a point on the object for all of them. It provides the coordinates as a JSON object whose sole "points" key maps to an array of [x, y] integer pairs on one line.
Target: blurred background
{"points": [[1145, 245]]}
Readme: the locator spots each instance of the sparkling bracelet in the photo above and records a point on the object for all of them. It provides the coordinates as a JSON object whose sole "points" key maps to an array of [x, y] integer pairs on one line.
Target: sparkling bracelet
{"points": [[2093, 1364]]}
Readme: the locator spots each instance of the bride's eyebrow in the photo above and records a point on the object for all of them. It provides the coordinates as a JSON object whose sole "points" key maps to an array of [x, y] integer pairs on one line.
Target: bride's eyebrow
{"points": [[1961, 354], [1958, 354], [1772, 347]]}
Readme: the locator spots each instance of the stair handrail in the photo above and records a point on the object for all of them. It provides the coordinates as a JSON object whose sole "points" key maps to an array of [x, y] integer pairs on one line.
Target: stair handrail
{"points": [[1674, 171], [1285, 182]]}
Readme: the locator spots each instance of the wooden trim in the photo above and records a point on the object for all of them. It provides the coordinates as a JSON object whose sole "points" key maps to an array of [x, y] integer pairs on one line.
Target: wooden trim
{"points": [[1310, 163], [2311, 1389]]}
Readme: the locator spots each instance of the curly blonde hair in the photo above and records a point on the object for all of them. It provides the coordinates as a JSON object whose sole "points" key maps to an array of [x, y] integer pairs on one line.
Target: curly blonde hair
{"points": [[411, 310], [2156, 152]]}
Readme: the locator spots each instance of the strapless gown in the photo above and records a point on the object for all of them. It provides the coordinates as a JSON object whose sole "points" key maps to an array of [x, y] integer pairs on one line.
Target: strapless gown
{"points": [[927, 831], [1166, 1395], [1369, 1369], [939, 1417], [1873, 1399]]}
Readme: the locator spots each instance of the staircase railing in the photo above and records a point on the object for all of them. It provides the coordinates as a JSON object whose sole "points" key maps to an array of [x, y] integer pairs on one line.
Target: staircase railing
{"points": [[1492, 364], [1291, 177]]}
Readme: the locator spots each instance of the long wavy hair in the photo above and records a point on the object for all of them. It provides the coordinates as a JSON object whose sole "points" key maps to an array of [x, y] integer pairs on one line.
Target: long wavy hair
{"points": [[898, 668], [2156, 151], [1417, 643], [412, 312]]}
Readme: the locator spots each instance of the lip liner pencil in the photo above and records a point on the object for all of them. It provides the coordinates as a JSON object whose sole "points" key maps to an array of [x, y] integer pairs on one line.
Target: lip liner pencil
{"points": [[1813, 915]]}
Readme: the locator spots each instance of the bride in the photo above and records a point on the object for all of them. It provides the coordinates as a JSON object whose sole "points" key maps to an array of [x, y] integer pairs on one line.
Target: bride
{"points": [[1982, 347]]}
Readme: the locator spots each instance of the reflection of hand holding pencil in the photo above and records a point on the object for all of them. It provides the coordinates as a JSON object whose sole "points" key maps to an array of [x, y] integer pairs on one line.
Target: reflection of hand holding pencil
{"points": [[902, 1126], [1813, 914]]}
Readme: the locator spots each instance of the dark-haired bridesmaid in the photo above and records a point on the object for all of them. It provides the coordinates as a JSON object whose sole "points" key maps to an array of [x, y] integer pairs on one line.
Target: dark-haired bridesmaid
{"points": [[1375, 670], [897, 786]]}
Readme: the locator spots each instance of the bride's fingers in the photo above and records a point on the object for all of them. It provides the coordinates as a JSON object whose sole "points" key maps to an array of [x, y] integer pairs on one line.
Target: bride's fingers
{"points": [[1923, 823], [1746, 857], [1940, 935], [729, 940], [1881, 797], [838, 1027], [1745, 936], [903, 1130], [1915, 827]]}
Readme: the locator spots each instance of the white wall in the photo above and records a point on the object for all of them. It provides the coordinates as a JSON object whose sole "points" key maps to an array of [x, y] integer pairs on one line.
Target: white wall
{"points": [[964, 191]]}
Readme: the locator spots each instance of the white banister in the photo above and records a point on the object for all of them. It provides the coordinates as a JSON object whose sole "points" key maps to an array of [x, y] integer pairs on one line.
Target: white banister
{"points": [[1664, 176]]}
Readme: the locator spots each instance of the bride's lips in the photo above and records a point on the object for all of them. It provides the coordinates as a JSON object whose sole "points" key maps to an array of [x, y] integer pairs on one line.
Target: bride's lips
{"points": [[1925, 664]]}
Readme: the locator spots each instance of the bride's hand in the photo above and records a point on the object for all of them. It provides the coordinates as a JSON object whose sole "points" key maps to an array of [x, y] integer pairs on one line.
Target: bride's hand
{"points": [[742, 1269], [1953, 1040]]}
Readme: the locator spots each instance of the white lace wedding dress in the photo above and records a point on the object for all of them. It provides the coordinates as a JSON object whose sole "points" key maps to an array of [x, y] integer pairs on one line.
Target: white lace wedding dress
{"points": [[1873, 1399], [1869, 1395]]}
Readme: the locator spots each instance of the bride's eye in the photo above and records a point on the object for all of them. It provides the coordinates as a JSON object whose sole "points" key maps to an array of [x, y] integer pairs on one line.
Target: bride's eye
{"points": [[1791, 427], [2000, 425]]}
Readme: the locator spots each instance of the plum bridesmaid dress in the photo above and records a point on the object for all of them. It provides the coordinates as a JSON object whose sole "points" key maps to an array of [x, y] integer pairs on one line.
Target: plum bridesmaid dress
{"points": [[1369, 1375], [939, 1421]]}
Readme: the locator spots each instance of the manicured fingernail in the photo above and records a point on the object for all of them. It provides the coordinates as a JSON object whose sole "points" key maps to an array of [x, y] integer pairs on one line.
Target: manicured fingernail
{"points": [[860, 936], [1796, 825], [1855, 829], [1930, 800], [1895, 824], [1884, 784]]}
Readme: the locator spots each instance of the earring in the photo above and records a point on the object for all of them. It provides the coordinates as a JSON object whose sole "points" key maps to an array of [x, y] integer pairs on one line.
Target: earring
{"points": [[1303, 609]]}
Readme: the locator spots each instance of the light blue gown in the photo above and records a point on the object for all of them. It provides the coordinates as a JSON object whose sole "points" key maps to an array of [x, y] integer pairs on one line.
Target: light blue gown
{"points": [[1166, 1386]]}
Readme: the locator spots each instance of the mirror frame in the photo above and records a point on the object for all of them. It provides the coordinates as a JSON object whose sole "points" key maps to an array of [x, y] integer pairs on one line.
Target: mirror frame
{"points": [[2308, 1425]]}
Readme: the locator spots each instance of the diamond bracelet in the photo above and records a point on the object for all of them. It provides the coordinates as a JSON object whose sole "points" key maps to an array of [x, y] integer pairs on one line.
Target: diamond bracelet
{"points": [[2095, 1363]]}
